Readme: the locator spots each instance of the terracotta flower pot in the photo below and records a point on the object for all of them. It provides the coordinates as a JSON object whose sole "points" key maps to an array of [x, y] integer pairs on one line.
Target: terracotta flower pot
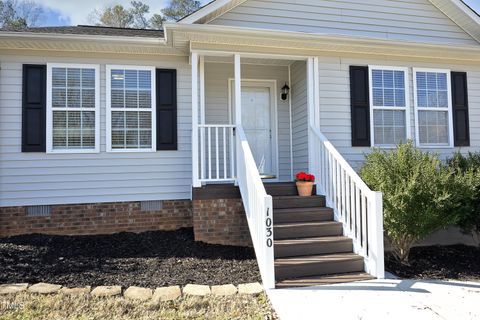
{"points": [[304, 188]]}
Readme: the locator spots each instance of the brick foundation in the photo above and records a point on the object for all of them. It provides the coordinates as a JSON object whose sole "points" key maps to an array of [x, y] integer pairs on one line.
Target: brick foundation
{"points": [[98, 218], [221, 221], [214, 221]]}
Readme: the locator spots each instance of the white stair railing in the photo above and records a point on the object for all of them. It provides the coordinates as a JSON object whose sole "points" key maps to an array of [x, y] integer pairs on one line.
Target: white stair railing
{"points": [[354, 203], [216, 161], [258, 208]]}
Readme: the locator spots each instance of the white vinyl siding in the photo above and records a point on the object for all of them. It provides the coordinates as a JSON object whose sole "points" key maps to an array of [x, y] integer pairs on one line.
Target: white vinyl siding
{"points": [[73, 108], [409, 20], [388, 105], [46, 179], [131, 120], [433, 107]]}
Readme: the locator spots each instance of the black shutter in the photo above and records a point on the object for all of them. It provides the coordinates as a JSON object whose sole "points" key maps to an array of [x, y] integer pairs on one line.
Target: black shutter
{"points": [[360, 106], [461, 131], [34, 108], [166, 109]]}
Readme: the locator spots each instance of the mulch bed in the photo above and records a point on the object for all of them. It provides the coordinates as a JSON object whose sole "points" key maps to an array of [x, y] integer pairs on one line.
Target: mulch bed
{"points": [[457, 262], [150, 259]]}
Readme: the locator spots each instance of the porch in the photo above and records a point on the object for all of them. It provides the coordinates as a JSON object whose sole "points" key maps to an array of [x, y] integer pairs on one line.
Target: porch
{"points": [[275, 123], [246, 132]]}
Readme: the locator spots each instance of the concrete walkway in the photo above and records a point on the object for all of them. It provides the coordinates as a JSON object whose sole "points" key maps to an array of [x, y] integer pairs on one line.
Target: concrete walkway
{"points": [[380, 299]]}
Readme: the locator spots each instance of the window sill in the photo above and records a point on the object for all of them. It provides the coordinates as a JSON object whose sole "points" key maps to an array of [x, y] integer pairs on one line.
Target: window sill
{"points": [[131, 151], [435, 147], [67, 151]]}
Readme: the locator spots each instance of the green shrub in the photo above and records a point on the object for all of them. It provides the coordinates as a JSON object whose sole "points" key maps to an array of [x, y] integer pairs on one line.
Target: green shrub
{"points": [[416, 194], [466, 190]]}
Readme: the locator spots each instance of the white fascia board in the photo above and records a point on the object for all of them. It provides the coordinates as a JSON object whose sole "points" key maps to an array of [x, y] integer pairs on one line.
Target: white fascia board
{"points": [[469, 20], [301, 36]]}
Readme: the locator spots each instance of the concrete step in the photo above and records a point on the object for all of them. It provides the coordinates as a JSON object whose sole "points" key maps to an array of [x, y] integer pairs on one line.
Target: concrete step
{"points": [[283, 189], [324, 280], [302, 215], [282, 202], [317, 265], [307, 229], [312, 246]]}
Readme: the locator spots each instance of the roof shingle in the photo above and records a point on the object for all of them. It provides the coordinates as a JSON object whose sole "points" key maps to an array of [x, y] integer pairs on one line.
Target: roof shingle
{"points": [[94, 30]]}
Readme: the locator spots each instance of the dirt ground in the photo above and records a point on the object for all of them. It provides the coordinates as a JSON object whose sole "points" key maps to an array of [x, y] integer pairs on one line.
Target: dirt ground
{"points": [[150, 259], [457, 262]]}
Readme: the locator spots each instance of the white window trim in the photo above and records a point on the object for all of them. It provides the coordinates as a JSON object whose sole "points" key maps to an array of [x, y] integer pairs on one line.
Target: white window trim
{"points": [[449, 109], [49, 133], [109, 68], [406, 108]]}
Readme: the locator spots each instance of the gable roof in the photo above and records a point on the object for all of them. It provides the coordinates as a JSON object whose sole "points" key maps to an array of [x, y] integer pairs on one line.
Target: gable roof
{"points": [[94, 31], [464, 16]]}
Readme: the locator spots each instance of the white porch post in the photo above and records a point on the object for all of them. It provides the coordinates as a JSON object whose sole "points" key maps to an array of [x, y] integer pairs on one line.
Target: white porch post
{"points": [[202, 116], [238, 90], [238, 101], [311, 114], [316, 93], [195, 169], [376, 263], [314, 164]]}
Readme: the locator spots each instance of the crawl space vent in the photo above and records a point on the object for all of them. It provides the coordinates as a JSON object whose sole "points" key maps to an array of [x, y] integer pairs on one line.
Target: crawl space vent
{"points": [[151, 205], [39, 211]]}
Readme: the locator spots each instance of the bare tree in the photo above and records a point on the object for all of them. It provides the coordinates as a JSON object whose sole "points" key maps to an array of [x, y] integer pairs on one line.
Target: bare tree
{"points": [[19, 14]]}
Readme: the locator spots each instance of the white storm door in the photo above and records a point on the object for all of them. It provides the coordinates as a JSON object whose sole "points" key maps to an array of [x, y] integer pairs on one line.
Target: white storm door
{"points": [[256, 122]]}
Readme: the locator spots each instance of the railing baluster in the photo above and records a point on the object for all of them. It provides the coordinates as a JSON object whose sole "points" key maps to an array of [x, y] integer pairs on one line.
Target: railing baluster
{"points": [[352, 204], [232, 154], [357, 212], [224, 152], [209, 153], [344, 191], [364, 223], [202, 152], [217, 159]]}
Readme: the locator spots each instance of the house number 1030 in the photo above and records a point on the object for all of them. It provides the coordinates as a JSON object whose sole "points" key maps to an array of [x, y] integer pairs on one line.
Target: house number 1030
{"points": [[268, 225]]}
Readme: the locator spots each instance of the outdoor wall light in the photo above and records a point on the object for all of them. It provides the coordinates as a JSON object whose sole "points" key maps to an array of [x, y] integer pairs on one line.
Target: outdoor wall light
{"points": [[285, 91]]}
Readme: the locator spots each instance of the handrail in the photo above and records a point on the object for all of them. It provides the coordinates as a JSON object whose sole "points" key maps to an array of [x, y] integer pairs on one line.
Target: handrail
{"points": [[355, 205], [258, 208]]}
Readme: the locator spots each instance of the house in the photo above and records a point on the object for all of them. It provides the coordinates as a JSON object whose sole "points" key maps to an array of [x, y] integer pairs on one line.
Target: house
{"points": [[204, 125]]}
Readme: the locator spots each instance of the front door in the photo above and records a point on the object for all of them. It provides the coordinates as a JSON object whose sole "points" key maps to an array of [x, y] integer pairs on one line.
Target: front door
{"points": [[257, 124]]}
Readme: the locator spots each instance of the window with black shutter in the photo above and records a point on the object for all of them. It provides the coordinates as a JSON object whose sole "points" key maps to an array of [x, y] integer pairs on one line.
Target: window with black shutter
{"points": [[461, 130], [34, 108], [166, 82], [360, 106]]}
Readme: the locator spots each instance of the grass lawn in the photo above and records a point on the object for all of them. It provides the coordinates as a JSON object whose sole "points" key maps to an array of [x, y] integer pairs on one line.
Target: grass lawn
{"points": [[27, 306]]}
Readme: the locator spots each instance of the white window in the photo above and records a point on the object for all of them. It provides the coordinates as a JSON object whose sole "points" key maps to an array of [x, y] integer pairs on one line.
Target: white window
{"points": [[73, 103], [433, 105], [131, 125], [389, 106]]}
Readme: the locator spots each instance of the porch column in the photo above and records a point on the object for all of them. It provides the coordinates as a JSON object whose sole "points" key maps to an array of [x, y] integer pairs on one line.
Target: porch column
{"points": [[238, 91], [202, 116], [195, 169], [313, 110]]}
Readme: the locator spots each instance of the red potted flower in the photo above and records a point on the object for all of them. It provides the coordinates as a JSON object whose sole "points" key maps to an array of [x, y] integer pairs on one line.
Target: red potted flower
{"points": [[305, 183]]}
